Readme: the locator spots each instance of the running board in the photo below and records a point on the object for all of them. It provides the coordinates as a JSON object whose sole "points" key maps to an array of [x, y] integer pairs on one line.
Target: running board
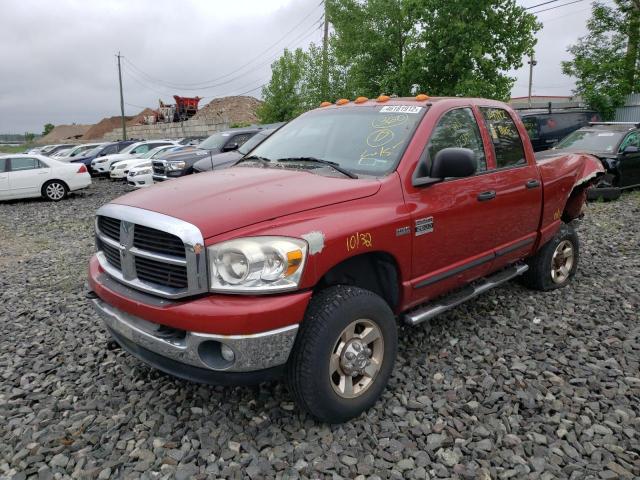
{"points": [[430, 310]]}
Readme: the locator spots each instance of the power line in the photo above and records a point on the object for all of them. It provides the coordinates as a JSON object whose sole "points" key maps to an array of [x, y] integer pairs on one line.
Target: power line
{"points": [[176, 85], [541, 4], [557, 6]]}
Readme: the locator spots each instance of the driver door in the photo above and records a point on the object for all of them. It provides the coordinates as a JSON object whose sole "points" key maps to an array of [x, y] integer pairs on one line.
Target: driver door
{"points": [[453, 237], [629, 166]]}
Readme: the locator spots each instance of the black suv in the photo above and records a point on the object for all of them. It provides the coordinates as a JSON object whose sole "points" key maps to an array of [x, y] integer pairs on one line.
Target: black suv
{"points": [[173, 165], [617, 145], [546, 127]]}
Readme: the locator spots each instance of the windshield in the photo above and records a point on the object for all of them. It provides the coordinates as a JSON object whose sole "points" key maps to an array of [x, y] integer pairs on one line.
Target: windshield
{"points": [[253, 141], [365, 140], [214, 142], [93, 151], [129, 148], [591, 140]]}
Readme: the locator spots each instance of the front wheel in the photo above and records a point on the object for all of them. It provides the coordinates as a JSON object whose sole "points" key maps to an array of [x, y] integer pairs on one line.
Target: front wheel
{"points": [[54, 190], [555, 263], [344, 353]]}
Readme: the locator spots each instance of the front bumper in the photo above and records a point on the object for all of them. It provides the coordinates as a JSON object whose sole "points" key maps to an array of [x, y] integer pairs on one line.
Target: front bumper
{"points": [[251, 352]]}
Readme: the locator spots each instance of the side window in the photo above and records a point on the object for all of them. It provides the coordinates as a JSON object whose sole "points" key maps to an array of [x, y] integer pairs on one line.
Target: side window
{"points": [[18, 164], [531, 124], [240, 139], [141, 149], [633, 139], [458, 128], [507, 143], [3, 165]]}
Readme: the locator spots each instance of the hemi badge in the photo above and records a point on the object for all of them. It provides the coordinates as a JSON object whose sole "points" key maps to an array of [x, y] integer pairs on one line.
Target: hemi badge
{"points": [[403, 231], [424, 225]]}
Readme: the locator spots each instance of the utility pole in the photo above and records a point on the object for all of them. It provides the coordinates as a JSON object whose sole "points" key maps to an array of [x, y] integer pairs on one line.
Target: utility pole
{"points": [[124, 123], [325, 55], [532, 63]]}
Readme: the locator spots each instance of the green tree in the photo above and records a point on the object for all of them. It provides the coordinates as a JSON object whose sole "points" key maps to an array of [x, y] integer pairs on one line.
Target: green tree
{"points": [[282, 95], [605, 61], [441, 47], [28, 137], [47, 128]]}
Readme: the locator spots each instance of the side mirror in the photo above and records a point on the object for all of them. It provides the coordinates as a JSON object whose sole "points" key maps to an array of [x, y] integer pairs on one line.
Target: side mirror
{"points": [[448, 163], [230, 146], [630, 149], [101, 154]]}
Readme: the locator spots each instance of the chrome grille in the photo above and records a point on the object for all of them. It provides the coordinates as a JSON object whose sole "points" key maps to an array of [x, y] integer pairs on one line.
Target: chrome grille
{"points": [[150, 251], [157, 241], [110, 227], [164, 274]]}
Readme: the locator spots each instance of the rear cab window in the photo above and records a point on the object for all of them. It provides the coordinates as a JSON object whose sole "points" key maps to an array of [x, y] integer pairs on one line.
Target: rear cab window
{"points": [[504, 135], [3, 165]]}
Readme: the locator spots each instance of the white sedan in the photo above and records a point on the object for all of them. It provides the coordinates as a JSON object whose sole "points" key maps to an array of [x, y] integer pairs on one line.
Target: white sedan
{"points": [[141, 176], [119, 170], [28, 176], [102, 165]]}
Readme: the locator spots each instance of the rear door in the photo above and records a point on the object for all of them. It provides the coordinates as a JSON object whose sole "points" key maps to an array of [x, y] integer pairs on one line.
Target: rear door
{"points": [[4, 178], [629, 166], [26, 176], [516, 188]]}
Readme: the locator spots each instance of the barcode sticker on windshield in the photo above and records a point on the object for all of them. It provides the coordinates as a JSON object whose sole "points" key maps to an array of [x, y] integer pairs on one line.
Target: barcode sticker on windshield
{"points": [[607, 134], [400, 109]]}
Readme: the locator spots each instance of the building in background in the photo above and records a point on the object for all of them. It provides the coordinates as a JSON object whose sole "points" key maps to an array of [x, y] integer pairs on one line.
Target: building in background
{"points": [[542, 101]]}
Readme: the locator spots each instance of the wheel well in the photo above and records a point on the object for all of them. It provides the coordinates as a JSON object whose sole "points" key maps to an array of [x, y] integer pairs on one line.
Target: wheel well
{"points": [[53, 180], [377, 272]]}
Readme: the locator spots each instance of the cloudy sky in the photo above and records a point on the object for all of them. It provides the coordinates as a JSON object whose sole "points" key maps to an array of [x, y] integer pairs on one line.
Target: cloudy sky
{"points": [[59, 65]]}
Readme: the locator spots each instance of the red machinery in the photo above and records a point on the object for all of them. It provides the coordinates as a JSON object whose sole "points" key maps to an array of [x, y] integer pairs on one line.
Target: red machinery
{"points": [[186, 107]]}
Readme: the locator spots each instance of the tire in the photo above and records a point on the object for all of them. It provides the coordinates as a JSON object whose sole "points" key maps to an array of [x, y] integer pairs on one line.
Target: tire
{"points": [[55, 190], [555, 263], [317, 377]]}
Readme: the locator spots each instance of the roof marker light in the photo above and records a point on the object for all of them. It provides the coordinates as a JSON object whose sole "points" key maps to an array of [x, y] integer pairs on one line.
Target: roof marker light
{"points": [[342, 101], [422, 97], [325, 104], [361, 99], [383, 98]]}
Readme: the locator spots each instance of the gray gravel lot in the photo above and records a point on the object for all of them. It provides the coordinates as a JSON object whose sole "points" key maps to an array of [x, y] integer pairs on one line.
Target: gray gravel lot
{"points": [[517, 384]]}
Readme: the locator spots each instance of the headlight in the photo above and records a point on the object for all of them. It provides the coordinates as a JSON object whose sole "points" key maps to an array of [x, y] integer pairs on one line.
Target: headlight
{"points": [[99, 161], [176, 165], [257, 264], [142, 172]]}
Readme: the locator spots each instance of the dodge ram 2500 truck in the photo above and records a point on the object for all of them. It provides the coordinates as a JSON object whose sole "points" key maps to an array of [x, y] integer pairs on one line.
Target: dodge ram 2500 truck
{"points": [[300, 260]]}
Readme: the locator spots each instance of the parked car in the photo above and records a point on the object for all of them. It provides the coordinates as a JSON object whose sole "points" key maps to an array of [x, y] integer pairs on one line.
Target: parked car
{"points": [[227, 159], [190, 140], [120, 169], [298, 259], [28, 176], [61, 152], [56, 148], [546, 127], [180, 164], [100, 151], [102, 165], [617, 145], [76, 151], [141, 176]]}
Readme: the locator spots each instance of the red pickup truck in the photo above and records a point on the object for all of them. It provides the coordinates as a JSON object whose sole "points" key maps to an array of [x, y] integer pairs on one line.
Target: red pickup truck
{"points": [[301, 259]]}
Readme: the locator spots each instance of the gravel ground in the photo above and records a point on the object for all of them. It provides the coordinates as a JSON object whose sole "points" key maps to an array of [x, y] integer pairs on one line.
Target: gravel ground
{"points": [[516, 384]]}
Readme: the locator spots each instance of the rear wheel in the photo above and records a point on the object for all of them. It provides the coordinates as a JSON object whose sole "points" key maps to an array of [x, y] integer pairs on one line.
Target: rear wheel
{"points": [[54, 190], [344, 353], [555, 263]]}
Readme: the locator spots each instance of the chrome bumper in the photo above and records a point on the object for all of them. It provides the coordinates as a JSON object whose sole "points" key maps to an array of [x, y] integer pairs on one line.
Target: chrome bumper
{"points": [[251, 352]]}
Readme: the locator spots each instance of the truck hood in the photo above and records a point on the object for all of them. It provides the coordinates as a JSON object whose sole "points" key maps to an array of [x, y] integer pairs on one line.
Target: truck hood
{"points": [[190, 156], [222, 201]]}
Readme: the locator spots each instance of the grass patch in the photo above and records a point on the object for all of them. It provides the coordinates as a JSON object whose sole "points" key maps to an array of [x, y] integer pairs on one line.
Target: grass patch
{"points": [[15, 148]]}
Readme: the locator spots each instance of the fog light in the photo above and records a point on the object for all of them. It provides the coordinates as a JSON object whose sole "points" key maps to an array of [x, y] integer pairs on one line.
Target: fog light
{"points": [[227, 353]]}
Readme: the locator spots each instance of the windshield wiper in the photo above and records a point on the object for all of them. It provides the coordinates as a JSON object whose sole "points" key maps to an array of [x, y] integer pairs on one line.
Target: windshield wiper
{"points": [[336, 166], [251, 158]]}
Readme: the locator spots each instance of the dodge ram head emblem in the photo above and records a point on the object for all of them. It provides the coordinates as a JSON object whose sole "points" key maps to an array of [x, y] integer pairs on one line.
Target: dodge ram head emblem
{"points": [[197, 249]]}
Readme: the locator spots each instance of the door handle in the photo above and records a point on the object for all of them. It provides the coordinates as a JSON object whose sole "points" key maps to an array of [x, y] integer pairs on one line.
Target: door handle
{"points": [[489, 195], [533, 184]]}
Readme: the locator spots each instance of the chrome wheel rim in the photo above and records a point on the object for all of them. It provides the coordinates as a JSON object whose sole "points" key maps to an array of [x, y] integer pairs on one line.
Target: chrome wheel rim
{"points": [[55, 191], [562, 261], [356, 358]]}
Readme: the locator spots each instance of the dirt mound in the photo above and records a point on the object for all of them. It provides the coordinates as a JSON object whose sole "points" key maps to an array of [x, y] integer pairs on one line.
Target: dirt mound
{"points": [[104, 126], [139, 119], [230, 110], [64, 134]]}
